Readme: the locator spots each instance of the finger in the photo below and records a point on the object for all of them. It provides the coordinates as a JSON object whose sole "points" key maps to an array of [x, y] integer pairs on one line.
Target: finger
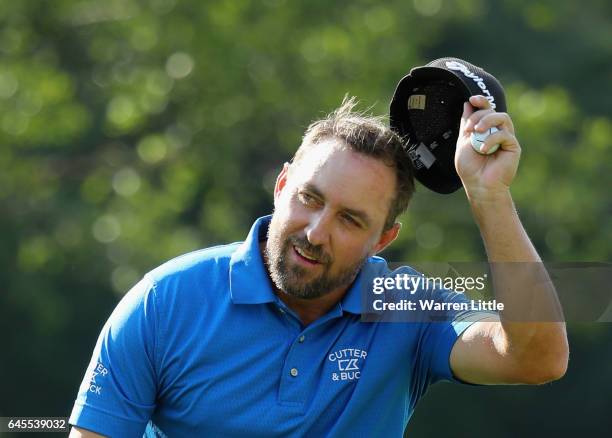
{"points": [[479, 101], [475, 118], [504, 139], [499, 120], [467, 112]]}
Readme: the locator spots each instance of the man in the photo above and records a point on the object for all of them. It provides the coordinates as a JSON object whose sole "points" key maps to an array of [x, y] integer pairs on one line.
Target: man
{"points": [[264, 338]]}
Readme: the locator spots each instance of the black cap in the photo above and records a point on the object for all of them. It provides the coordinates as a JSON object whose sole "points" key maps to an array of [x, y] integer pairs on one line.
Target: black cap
{"points": [[426, 112]]}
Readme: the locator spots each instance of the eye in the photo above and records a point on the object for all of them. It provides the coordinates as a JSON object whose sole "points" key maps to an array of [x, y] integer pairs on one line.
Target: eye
{"points": [[307, 199], [350, 220]]}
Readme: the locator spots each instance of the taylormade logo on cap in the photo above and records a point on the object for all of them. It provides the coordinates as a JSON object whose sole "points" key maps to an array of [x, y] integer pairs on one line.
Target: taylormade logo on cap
{"points": [[454, 65]]}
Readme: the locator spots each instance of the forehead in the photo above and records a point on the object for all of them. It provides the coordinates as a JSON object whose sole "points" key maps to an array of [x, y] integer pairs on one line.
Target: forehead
{"points": [[345, 177]]}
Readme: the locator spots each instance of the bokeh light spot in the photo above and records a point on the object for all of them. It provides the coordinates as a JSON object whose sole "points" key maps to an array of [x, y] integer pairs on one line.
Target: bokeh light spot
{"points": [[106, 228], [152, 149], [179, 65], [126, 181], [429, 235]]}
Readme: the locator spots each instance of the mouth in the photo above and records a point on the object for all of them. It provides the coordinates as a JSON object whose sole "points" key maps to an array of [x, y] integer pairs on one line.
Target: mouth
{"points": [[305, 257]]}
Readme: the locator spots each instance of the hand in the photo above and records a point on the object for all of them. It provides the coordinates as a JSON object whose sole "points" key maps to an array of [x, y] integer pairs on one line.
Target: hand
{"points": [[486, 176]]}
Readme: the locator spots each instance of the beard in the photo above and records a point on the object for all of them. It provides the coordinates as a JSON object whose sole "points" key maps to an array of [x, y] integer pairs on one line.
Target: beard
{"points": [[293, 279]]}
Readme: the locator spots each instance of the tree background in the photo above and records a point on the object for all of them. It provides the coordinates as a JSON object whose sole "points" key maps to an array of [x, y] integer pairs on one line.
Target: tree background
{"points": [[132, 131]]}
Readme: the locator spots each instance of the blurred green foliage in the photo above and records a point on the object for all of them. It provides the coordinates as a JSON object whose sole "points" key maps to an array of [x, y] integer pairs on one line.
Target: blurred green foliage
{"points": [[132, 131]]}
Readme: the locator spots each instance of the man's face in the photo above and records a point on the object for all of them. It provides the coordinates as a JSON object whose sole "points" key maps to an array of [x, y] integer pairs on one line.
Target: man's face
{"points": [[330, 209]]}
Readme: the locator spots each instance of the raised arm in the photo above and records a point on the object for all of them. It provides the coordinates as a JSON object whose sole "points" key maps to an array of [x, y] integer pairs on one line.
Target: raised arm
{"points": [[528, 344]]}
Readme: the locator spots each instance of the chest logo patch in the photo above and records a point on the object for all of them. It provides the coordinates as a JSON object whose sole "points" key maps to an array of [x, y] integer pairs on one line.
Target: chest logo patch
{"points": [[348, 362]]}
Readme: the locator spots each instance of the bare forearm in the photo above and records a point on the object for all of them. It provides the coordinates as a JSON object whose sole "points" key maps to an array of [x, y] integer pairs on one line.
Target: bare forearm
{"points": [[532, 325], [503, 234]]}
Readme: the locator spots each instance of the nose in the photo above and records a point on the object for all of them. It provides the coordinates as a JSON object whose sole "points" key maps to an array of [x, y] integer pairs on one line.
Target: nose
{"points": [[318, 229]]}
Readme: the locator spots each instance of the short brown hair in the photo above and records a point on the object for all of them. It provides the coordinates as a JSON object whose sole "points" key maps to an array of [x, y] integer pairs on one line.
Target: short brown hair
{"points": [[368, 135]]}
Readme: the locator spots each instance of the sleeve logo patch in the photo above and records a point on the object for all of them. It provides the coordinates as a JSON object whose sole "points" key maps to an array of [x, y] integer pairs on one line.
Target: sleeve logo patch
{"points": [[95, 379]]}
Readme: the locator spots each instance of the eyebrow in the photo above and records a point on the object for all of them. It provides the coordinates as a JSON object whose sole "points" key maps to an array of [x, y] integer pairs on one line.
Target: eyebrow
{"points": [[361, 215]]}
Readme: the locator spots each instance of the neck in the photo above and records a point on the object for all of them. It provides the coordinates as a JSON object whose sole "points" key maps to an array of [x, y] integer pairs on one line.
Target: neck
{"points": [[308, 310], [312, 309]]}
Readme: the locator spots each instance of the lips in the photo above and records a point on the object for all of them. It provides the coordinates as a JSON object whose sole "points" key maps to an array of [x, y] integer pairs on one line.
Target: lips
{"points": [[304, 255]]}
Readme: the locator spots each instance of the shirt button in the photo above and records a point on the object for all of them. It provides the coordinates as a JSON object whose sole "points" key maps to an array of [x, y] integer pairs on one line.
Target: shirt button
{"points": [[281, 310], [301, 338], [294, 372]]}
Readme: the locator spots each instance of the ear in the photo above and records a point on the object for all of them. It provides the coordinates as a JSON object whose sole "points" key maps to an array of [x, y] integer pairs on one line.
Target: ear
{"points": [[387, 237], [281, 181]]}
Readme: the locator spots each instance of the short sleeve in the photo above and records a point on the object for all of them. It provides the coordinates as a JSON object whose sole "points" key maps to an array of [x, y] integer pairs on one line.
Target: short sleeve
{"points": [[117, 395], [440, 336]]}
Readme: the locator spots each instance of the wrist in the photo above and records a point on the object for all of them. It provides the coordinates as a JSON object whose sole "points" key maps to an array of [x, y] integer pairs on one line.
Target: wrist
{"points": [[489, 198], [491, 207]]}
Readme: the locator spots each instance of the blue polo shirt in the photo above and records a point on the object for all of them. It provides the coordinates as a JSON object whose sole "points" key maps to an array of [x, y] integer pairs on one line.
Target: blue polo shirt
{"points": [[203, 347]]}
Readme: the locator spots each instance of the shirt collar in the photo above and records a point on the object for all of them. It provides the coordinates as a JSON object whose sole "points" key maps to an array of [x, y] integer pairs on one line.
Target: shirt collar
{"points": [[251, 284], [359, 296], [249, 280]]}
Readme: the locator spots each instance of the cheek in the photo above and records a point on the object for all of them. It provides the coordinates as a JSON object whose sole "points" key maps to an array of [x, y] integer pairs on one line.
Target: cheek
{"points": [[292, 211], [282, 210], [288, 214], [350, 249], [285, 201]]}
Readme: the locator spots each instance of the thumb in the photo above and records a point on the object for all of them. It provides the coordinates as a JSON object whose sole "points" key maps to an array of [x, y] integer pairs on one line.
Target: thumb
{"points": [[468, 110]]}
